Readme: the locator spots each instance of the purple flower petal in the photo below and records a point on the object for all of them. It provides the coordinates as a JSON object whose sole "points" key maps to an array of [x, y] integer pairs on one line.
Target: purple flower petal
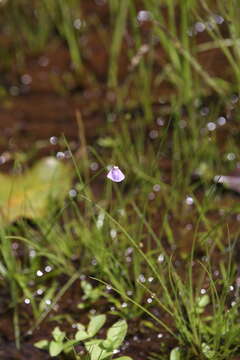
{"points": [[115, 174]]}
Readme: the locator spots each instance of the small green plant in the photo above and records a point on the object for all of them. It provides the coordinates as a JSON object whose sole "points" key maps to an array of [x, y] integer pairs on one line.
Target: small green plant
{"points": [[97, 349], [91, 294]]}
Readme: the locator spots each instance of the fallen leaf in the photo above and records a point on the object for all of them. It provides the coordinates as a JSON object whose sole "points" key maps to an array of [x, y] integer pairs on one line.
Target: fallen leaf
{"points": [[29, 194]]}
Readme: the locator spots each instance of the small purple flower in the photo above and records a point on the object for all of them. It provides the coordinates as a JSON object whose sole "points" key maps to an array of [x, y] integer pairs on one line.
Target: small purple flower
{"points": [[115, 174]]}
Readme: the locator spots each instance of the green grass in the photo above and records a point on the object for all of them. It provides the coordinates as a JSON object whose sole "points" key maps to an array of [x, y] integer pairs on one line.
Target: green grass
{"points": [[118, 235]]}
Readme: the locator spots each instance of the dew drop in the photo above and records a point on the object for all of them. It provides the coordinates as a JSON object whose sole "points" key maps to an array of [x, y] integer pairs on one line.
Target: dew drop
{"points": [[144, 15], [94, 166], [142, 278], [26, 79], [48, 268], [113, 233], [204, 111], [200, 27], [221, 121], [161, 258], [156, 187], [189, 200], [153, 134], [73, 193], [151, 196], [14, 90], [32, 253], [231, 156], [60, 155], [39, 273], [218, 19], [160, 121], [53, 140], [211, 126]]}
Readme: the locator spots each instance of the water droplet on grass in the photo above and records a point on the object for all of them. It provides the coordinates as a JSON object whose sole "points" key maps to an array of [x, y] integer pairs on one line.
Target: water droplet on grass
{"points": [[160, 121], [60, 155], [142, 278], [231, 156], [161, 258], [204, 111], [53, 140], [218, 19], [32, 253], [189, 200], [211, 126], [221, 121], [73, 193], [113, 233], [153, 134], [26, 79], [27, 301], [182, 124], [14, 91], [94, 166], [39, 273], [156, 187], [43, 61], [68, 154], [48, 268], [94, 262], [144, 15], [151, 196], [77, 23], [200, 27], [234, 99]]}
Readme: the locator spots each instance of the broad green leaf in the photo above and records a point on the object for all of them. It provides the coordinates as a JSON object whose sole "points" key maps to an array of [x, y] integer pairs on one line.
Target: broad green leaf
{"points": [[203, 301], [81, 335], [42, 344], [175, 354], [107, 142], [117, 333], [208, 352], [68, 346], [58, 335], [95, 324], [96, 351], [29, 194], [55, 348], [124, 358]]}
